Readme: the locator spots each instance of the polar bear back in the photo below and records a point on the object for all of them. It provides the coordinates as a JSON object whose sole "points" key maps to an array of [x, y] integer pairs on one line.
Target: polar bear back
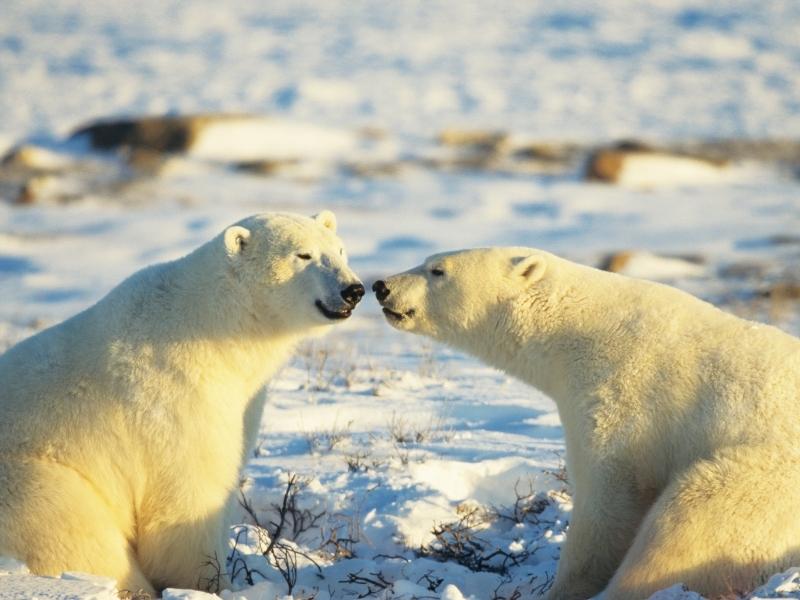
{"points": [[664, 373]]}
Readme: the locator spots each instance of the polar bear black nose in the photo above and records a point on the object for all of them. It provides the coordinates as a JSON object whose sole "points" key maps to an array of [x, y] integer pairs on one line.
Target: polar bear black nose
{"points": [[380, 289], [353, 293]]}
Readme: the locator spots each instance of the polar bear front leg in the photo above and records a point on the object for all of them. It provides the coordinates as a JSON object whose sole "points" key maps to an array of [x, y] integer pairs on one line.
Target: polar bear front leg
{"points": [[184, 553], [721, 528], [605, 516], [55, 520]]}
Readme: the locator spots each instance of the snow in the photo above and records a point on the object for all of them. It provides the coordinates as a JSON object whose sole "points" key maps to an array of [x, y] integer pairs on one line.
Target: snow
{"points": [[781, 585], [173, 594], [727, 69], [16, 584], [392, 436], [676, 592], [257, 138]]}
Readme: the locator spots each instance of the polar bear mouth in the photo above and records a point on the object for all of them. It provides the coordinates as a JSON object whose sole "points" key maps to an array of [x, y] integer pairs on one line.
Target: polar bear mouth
{"points": [[396, 316], [333, 314]]}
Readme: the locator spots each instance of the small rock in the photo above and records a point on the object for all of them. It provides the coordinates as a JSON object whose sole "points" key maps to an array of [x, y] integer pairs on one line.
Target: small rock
{"points": [[143, 160], [473, 138], [646, 265], [53, 187], [642, 167], [605, 165], [35, 189], [744, 270], [301, 171], [782, 151], [633, 146], [779, 239], [617, 261], [497, 151], [782, 290], [470, 161], [468, 149], [373, 133], [159, 134], [225, 138], [375, 169], [33, 158], [784, 239], [267, 167], [543, 152]]}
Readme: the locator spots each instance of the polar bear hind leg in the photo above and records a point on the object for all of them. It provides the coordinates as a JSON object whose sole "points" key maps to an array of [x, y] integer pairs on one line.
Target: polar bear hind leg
{"points": [[52, 519], [723, 525]]}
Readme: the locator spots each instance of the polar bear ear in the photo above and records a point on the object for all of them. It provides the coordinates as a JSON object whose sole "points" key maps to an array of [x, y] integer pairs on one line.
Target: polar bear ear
{"points": [[327, 219], [236, 238], [531, 268]]}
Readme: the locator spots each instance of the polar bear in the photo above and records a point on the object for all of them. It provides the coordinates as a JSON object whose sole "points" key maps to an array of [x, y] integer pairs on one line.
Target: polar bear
{"points": [[123, 429], [680, 420]]}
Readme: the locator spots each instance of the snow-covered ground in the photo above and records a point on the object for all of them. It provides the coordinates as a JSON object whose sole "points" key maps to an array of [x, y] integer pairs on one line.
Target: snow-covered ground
{"points": [[385, 437], [576, 68]]}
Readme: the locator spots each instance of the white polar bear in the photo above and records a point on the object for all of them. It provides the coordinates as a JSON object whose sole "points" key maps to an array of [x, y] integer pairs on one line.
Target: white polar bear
{"points": [[123, 429], [680, 420]]}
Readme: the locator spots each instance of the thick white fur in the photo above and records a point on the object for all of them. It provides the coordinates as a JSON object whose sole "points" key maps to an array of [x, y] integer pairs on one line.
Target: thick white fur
{"points": [[123, 429], [680, 420]]}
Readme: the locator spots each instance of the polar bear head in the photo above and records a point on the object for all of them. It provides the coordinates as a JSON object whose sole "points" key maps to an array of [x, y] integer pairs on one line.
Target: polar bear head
{"points": [[454, 296], [293, 269]]}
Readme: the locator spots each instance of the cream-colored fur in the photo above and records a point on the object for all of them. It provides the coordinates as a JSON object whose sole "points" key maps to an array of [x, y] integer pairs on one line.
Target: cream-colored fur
{"points": [[123, 429], [680, 420]]}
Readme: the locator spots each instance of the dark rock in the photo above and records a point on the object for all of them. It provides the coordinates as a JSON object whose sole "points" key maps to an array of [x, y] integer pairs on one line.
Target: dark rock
{"points": [[474, 138], [375, 169], [782, 290], [160, 134], [744, 270], [607, 164], [267, 167]]}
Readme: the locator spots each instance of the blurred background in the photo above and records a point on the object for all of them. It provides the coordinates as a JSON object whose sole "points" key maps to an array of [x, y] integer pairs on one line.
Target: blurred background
{"points": [[574, 70], [659, 139]]}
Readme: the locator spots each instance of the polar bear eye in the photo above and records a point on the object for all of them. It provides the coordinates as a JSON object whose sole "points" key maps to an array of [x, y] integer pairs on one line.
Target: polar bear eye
{"points": [[304, 256], [437, 272]]}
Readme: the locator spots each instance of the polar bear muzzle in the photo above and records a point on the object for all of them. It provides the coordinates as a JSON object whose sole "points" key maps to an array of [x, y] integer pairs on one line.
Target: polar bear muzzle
{"points": [[382, 293], [351, 295]]}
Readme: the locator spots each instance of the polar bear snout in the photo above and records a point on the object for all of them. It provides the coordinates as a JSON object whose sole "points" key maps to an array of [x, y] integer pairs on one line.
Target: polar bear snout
{"points": [[352, 294], [380, 289], [336, 309], [394, 314]]}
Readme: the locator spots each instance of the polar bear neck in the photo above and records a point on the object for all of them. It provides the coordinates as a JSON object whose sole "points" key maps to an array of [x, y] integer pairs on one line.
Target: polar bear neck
{"points": [[555, 335], [577, 335], [200, 335], [528, 353]]}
